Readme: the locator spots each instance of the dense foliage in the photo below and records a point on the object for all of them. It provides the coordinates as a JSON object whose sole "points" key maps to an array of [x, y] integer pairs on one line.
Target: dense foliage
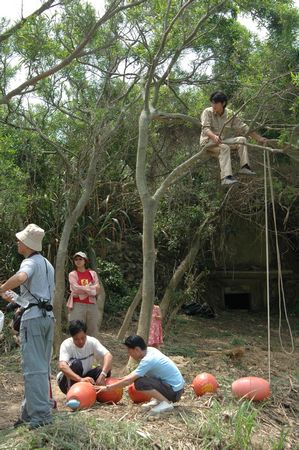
{"points": [[84, 117]]}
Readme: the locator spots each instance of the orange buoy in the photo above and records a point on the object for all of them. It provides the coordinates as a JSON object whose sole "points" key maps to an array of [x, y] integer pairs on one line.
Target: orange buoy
{"points": [[203, 383], [137, 396], [113, 396], [253, 388], [83, 393]]}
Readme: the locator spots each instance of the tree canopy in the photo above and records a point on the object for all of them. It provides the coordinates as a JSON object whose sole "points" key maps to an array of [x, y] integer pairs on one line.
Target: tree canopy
{"points": [[85, 100]]}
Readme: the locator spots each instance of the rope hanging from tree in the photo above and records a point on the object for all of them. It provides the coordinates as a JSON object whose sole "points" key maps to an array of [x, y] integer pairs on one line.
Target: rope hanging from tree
{"points": [[280, 286]]}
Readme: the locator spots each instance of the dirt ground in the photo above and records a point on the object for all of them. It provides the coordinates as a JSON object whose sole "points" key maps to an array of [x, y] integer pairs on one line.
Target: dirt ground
{"points": [[230, 346]]}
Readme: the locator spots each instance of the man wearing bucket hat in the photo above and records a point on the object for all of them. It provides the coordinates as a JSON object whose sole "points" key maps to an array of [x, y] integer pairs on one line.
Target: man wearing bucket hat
{"points": [[84, 287], [36, 280]]}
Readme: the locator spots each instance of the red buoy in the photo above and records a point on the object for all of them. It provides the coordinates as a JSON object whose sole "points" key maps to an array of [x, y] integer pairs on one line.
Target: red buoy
{"points": [[84, 393], [113, 396], [203, 383], [253, 388], [137, 396]]}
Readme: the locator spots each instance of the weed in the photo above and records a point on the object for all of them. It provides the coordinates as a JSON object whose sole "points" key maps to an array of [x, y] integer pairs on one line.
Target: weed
{"points": [[188, 351], [237, 341], [80, 432], [223, 428], [281, 443]]}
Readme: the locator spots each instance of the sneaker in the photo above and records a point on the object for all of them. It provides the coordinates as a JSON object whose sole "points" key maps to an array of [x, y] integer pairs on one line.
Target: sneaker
{"points": [[228, 180], [162, 408], [245, 170], [150, 404]]}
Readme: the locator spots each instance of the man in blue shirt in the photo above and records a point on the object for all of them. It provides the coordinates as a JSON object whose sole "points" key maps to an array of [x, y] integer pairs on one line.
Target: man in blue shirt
{"points": [[155, 374]]}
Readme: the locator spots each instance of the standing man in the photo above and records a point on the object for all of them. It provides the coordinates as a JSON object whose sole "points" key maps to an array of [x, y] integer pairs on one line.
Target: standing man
{"points": [[220, 130], [155, 374], [36, 280], [76, 358]]}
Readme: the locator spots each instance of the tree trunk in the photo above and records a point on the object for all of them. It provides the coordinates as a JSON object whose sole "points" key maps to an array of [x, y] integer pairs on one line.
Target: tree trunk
{"points": [[64, 241], [59, 296], [102, 294], [149, 212], [129, 314], [149, 257]]}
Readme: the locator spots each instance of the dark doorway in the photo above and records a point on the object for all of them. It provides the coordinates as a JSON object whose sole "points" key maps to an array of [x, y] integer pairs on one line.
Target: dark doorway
{"points": [[237, 301]]}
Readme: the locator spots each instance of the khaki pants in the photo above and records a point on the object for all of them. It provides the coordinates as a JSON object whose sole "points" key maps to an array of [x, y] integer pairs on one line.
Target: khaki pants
{"points": [[89, 314], [222, 151]]}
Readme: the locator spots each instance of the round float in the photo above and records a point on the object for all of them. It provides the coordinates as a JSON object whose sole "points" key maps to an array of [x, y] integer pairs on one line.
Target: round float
{"points": [[113, 396], [204, 383], [137, 396], [252, 388], [83, 393]]}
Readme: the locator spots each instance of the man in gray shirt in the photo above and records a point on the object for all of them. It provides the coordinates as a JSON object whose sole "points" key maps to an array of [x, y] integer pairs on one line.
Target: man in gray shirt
{"points": [[36, 280], [222, 129]]}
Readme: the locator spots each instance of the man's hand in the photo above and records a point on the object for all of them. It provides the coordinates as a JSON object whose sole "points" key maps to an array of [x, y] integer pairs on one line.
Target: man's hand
{"points": [[88, 380], [100, 388], [6, 297], [216, 139], [100, 381], [258, 138]]}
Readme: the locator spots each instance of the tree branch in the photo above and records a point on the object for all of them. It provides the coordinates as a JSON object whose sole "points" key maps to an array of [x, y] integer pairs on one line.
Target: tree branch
{"points": [[111, 12], [6, 35]]}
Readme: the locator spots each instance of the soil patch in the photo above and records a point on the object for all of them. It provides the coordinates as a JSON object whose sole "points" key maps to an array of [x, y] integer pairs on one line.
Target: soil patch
{"points": [[230, 346]]}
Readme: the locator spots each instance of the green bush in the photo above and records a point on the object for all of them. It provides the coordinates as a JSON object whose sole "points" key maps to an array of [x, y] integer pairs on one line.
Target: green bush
{"points": [[118, 293]]}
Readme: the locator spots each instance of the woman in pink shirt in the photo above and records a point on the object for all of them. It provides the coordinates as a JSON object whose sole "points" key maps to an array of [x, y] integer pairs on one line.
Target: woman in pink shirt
{"points": [[84, 287]]}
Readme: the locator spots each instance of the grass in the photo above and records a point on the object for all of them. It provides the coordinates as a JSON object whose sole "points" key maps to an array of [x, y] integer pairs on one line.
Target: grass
{"points": [[223, 428], [237, 341], [79, 431], [214, 427], [177, 349], [206, 423]]}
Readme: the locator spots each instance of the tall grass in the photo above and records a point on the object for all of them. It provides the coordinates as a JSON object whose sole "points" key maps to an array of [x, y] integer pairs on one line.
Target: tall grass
{"points": [[222, 428], [79, 432]]}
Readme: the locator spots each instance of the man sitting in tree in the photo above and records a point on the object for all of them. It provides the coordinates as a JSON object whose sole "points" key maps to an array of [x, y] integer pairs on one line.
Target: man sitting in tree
{"points": [[222, 129], [155, 374], [76, 358]]}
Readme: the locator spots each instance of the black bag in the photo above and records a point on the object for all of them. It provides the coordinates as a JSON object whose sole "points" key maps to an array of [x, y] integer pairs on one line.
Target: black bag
{"points": [[16, 320]]}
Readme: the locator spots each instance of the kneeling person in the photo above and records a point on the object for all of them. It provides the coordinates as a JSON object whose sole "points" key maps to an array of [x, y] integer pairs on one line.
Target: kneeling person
{"points": [[76, 358], [155, 374]]}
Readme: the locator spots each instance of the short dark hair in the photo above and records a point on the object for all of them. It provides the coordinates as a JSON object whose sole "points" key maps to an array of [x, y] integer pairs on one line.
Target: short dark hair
{"points": [[219, 97], [76, 326], [135, 341]]}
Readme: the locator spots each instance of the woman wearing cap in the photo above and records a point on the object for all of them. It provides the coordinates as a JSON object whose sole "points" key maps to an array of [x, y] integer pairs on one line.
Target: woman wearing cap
{"points": [[84, 287]]}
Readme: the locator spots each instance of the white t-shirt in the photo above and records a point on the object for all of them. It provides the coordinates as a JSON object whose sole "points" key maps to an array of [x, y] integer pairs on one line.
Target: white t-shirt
{"points": [[156, 364], [92, 350]]}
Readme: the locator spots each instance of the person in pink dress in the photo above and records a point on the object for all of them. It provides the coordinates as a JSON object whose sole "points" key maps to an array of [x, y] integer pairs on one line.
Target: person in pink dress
{"points": [[156, 332]]}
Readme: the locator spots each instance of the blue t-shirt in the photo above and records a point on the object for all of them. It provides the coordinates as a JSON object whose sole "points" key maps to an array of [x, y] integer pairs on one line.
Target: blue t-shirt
{"points": [[156, 364]]}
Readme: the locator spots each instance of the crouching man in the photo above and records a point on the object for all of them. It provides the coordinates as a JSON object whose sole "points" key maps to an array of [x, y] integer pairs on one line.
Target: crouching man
{"points": [[155, 374], [76, 358]]}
